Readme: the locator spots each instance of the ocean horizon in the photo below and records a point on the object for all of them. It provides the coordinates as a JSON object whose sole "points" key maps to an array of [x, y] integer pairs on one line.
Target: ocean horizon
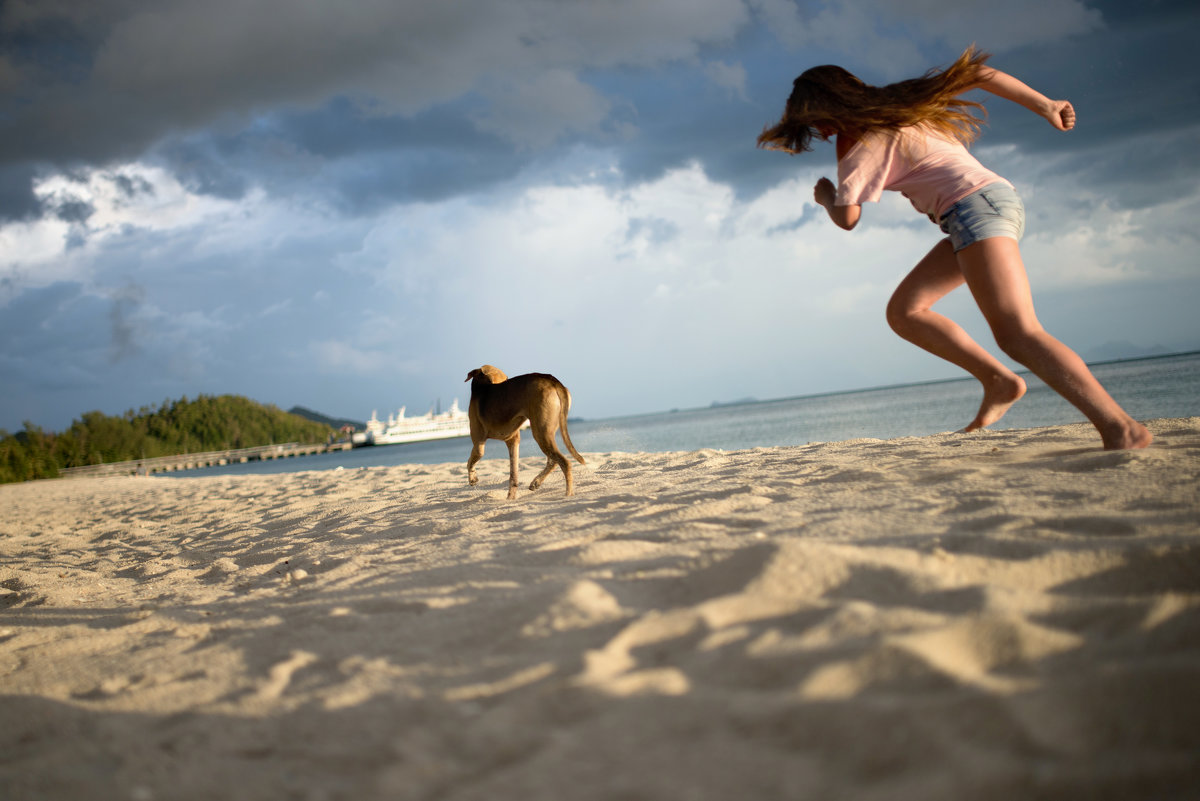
{"points": [[1148, 388]]}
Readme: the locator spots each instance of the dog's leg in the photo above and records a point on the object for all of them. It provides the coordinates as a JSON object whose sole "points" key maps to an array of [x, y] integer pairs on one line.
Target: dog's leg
{"points": [[514, 447], [544, 436], [476, 455], [537, 482]]}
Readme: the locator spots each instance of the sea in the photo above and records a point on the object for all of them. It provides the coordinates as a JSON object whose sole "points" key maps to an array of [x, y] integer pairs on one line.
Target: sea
{"points": [[1148, 388]]}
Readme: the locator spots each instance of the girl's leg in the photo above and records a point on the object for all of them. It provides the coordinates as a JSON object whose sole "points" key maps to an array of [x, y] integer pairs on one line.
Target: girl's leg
{"points": [[910, 315], [995, 273]]}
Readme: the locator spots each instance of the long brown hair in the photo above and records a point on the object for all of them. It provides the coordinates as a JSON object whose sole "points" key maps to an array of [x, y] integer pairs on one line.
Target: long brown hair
{"points": [[830, 97]]}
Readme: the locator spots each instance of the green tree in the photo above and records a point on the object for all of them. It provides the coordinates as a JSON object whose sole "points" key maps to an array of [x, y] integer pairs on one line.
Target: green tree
{"points": [[208, 423]]}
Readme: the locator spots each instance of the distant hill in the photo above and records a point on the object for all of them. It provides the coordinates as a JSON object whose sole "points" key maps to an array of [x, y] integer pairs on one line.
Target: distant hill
{"points": [[332, 422], [206, 423]]}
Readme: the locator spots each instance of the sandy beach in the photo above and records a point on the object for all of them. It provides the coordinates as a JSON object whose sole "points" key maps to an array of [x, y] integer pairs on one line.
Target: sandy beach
{"points": [[999, 615]]}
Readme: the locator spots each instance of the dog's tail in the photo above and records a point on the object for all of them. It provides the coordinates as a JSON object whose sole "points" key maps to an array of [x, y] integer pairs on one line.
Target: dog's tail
{"points": [[564, 396]]}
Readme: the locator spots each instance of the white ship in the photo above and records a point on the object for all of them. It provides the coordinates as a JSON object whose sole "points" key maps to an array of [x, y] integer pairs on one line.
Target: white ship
{"points": [[398, 429]]}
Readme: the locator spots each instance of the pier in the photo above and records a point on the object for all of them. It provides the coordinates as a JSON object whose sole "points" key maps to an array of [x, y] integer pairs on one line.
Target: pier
{"points": [[191, 461]]}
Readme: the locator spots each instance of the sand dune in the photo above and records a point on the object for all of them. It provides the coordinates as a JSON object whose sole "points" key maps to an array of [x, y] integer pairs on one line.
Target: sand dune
{"points": [[997, 615]]}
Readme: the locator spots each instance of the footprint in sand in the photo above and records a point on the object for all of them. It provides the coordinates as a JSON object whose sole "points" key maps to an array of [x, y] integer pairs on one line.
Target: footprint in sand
{"points": [[14, 592], [1091, 526], [584, 604], [280, 675]]}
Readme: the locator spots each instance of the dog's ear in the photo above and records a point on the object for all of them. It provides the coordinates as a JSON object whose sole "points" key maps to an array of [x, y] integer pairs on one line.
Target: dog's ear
{"points": [[472, 374], [493, 374]]}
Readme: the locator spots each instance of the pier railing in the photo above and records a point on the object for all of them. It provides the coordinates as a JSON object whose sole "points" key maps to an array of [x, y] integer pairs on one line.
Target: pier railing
{"points": [[190, 461]]}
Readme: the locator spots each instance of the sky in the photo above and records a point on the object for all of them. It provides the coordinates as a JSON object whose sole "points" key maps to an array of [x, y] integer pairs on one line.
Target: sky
{"points": [[348, 206]]}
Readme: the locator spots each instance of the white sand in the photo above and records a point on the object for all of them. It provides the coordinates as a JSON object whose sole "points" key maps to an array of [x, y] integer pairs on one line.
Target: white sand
{"points": [[1001, 615]]}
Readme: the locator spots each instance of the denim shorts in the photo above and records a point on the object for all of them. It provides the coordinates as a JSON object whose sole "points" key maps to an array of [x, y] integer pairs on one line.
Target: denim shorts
{"points": [[994, 210]]}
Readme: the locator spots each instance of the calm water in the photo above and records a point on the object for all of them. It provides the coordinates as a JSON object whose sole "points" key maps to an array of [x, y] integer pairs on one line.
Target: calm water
{"points": [[1167, 386]]}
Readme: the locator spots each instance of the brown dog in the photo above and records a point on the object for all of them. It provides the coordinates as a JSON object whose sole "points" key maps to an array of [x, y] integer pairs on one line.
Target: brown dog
{"points": [[500, 406]]}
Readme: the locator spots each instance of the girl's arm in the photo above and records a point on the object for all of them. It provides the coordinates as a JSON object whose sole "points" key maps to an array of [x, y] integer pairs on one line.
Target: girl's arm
{"points": [[1059, 113], [843, 216]]}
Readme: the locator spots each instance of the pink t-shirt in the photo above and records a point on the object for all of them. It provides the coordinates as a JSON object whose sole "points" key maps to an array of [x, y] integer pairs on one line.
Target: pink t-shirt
{"points": [[931, 171]]}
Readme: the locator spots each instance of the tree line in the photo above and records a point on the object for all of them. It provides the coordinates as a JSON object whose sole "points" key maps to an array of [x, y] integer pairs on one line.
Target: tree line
{"points": [[207, 423]]}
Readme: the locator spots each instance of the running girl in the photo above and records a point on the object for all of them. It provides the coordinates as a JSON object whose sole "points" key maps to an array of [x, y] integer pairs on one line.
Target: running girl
{"points": [[911, 137]]}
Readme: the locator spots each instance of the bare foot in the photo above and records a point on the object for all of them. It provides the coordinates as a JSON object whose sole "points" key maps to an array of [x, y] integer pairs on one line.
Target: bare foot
{"points": [[1001, 393], [1126, 436]]}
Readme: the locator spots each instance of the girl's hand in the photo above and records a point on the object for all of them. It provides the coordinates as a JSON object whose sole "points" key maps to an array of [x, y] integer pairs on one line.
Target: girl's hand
{"points": [[824, 192], [1061, 115]]}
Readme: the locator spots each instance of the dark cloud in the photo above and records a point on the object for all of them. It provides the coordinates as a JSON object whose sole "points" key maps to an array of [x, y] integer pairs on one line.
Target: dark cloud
{"points": [[358, 163], [1137, 94], [17, 200], [130, 73], [290, 161], [1150, 170], [206, 165], [366, 107], [74, 211], [125, 303], [130, 186], [337, 112], [49, 341], [1135, 76]]}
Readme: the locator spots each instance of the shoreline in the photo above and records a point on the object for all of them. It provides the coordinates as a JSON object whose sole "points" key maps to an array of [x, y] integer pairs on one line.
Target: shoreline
{"points": [[1008, 613]]}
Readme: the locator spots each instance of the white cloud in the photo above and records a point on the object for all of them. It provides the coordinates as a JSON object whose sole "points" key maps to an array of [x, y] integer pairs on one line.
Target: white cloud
{"points": [[31, 253], [675, 285], [1078, 236], [133, 194], [120, 201]]}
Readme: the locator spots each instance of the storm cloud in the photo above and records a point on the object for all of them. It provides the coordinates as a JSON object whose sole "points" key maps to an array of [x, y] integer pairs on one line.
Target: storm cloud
{"points": [[347, 206]]}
